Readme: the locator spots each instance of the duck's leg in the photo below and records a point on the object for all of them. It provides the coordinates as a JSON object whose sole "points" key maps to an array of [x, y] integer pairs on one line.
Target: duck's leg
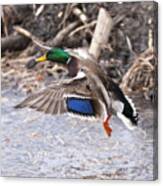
{"points": [[106, 125]]}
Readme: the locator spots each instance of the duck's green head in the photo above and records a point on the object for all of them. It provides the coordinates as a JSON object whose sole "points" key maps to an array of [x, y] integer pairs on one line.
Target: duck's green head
{"points": [[56, 55]]}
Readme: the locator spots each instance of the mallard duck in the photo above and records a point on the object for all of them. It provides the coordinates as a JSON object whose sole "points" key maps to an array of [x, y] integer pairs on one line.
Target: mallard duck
{"points": [[88, 93]]}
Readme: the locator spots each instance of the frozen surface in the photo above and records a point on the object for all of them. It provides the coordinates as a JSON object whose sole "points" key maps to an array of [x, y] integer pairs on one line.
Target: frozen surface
{"points": [[38, 145]]}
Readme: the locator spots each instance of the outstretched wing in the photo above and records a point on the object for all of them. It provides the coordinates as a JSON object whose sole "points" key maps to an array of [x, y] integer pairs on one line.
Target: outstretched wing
{"points": [[72, 96]]}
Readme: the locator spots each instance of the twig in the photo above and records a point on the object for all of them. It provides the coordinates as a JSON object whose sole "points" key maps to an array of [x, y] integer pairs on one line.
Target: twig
{"points": [[39, 10], [117, 19], [87, 25], [68, 10], [150, 35], [4, 20], [150, 38], [83, 18], [129, 44]]}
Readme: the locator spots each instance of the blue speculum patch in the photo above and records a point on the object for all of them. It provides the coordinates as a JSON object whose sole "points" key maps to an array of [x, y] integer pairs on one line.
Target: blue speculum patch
{"points": [[80, 106]]}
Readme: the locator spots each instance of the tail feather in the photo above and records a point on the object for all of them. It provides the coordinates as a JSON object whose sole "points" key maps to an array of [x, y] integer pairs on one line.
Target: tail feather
{"points": [[134, 117], [129, 110], [126, 121]]}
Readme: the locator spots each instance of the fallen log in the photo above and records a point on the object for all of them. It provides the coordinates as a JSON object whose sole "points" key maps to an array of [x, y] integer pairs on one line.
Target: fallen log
{"points": [[14, 43]]}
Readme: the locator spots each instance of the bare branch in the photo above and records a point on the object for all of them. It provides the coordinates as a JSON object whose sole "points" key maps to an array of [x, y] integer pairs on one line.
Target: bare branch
{"points": [[31, 36], [62, 34]]}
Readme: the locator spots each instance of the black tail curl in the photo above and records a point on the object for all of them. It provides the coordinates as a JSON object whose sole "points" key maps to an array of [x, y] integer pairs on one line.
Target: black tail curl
{"points": [[129, 109]]}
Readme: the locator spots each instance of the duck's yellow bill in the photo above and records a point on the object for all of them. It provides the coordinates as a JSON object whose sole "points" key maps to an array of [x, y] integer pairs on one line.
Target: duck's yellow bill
{"points": [[42, 58]]}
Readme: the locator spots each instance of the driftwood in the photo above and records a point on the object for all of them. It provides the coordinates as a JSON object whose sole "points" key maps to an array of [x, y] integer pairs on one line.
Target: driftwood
{"points": [[101, 33], [85, 26], [14, 42]]}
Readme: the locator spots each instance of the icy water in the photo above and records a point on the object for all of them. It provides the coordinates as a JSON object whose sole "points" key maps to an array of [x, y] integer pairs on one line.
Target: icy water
{"points": [[38, 145]]}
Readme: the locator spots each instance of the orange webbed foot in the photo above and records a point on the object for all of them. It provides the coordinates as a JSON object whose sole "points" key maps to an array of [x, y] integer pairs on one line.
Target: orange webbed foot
{"points": [[107, 127]]}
